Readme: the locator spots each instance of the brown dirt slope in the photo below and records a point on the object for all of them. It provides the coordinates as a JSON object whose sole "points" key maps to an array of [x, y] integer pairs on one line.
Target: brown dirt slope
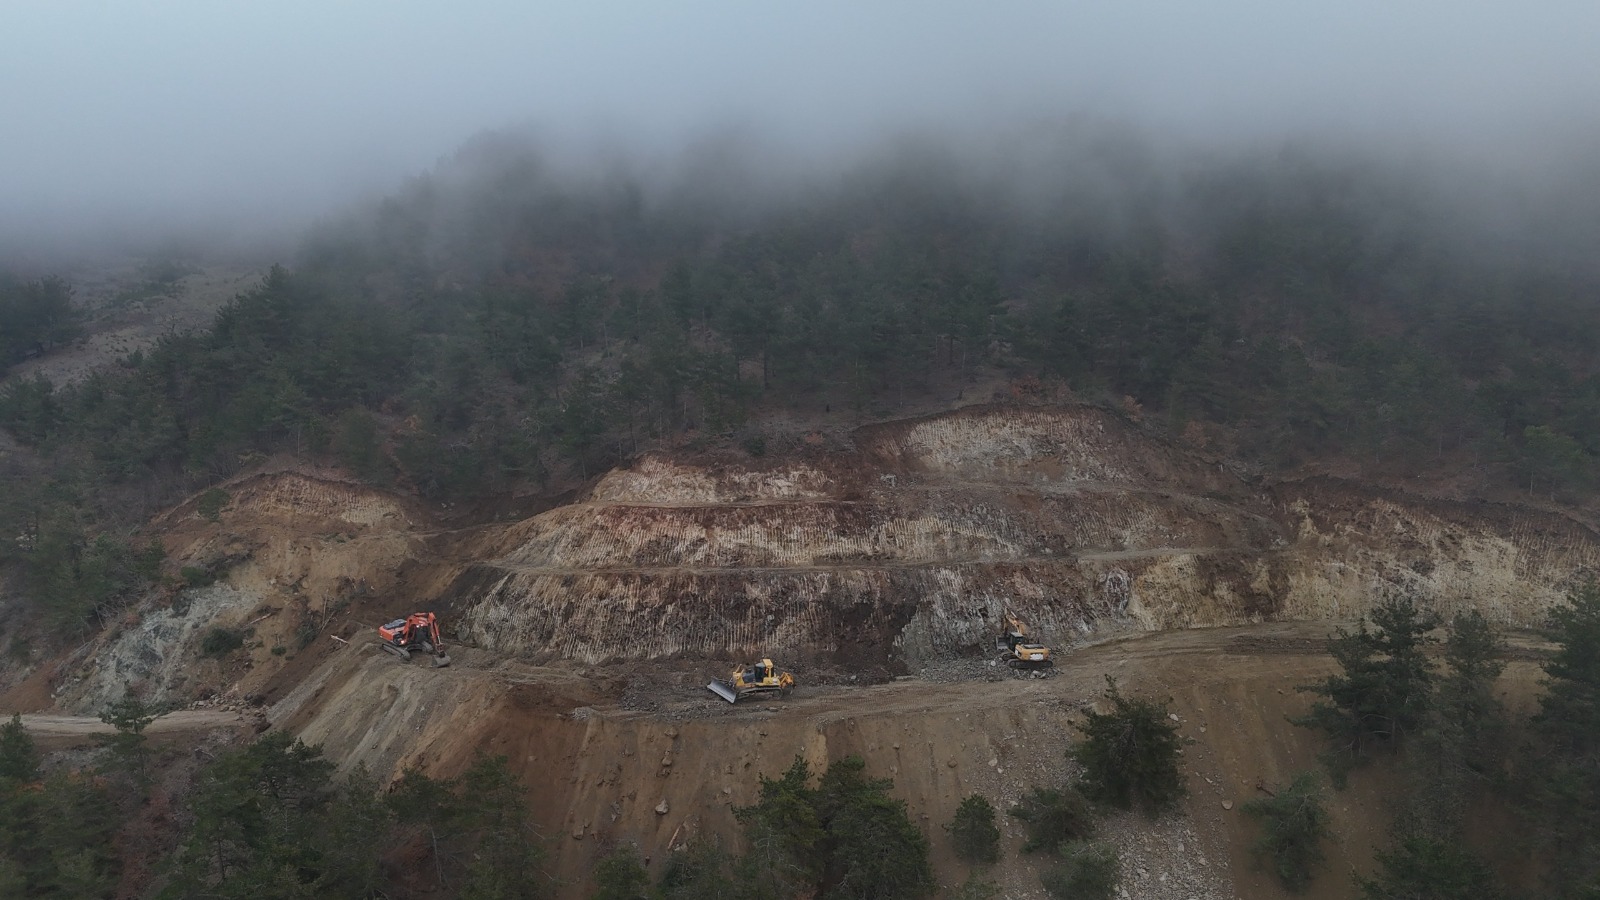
{"points": [[602, 772]]}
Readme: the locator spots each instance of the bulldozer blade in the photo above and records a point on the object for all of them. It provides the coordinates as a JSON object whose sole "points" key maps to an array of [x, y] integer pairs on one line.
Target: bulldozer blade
{"points": [[440, 660], [723, 691]]}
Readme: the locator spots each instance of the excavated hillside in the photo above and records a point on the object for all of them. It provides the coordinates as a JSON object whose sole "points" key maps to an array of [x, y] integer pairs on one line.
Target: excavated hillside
{"points": [[583, 635], [910, 548]]}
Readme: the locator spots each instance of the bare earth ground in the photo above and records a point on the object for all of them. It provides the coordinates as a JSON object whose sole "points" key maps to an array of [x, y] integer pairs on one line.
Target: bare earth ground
{"points": [[650, 757]]}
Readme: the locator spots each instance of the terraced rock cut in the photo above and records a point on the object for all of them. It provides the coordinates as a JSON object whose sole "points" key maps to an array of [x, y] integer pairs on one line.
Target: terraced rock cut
{"points": [[929, 530]]}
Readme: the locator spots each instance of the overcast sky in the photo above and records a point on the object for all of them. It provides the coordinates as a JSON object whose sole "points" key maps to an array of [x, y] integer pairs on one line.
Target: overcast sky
{"points": [[260, 110]]}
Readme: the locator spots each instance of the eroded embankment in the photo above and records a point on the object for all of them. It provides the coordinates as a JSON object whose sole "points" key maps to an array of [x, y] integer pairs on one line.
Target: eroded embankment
{"points": [[289, 552]]}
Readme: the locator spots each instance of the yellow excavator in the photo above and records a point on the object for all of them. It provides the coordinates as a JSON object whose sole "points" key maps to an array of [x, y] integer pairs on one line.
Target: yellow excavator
{"points": [[761, 679], [1018, 650]]}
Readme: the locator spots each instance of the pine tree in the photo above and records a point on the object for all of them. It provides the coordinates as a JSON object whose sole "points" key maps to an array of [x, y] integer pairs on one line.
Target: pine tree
{"points": [[1461, 745], [1420, 867], [1130, 754], [845, 838], [1385, 685], [1565, 768], [130, 755], [19, 758], [973, 831], [784, 831]]}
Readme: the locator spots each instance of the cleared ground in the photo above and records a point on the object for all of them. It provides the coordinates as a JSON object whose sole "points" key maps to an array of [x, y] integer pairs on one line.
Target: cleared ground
{"points": [[646, 755]]}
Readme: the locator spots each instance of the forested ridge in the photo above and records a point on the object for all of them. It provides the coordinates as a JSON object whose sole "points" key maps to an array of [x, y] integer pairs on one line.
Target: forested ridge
{"points": [[503, 324]]}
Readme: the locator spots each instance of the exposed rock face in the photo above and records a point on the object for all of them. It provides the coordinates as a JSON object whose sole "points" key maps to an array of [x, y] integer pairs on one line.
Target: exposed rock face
{"points": [[914, 545], [288, 549]]}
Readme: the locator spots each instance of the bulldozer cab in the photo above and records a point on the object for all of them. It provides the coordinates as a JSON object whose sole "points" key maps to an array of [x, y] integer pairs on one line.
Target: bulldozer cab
{"points": [[760, 673]]}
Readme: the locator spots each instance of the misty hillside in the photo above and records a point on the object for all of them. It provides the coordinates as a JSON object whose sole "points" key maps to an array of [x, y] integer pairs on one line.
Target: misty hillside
{"points": [[508, 324]]}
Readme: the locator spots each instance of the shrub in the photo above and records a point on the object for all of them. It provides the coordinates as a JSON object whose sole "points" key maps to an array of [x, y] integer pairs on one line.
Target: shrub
{"points": [[977, 887], [1086, 872], [1424, 868], [197, 576], [1130, 754], [219, 641], [211, 504], [305, 634], [621, 876], [698, 871], [1054, 818], [1293, 824], [973, 832]]}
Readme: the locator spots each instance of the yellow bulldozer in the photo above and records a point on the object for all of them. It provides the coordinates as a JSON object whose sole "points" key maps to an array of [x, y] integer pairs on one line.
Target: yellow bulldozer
{"points": [[1018, 650], [760, 680]]}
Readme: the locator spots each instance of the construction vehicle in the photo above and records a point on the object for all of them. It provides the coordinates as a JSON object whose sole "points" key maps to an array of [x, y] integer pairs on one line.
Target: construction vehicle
{"points": [[761, 679], [418, 631], [1018, 650]]}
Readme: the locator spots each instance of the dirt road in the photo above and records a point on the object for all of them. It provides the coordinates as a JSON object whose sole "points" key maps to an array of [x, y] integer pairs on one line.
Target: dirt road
{"points": [[57, 732]]}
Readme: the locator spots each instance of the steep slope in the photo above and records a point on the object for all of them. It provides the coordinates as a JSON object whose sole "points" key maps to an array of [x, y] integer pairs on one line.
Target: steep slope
{"points": [[912, 546], [585, 633], [603, 771]]}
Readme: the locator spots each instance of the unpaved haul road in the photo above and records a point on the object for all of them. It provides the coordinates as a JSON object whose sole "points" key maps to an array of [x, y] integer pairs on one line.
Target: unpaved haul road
{"points": [[58, 731]]}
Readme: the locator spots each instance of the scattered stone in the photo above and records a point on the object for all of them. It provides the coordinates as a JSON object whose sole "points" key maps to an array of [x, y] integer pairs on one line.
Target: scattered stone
{"points": [[1227, 804], [661, 808]]}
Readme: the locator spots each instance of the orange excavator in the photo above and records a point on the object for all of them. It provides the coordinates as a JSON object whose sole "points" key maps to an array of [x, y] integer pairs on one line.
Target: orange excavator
{"points": [[418, 631]]}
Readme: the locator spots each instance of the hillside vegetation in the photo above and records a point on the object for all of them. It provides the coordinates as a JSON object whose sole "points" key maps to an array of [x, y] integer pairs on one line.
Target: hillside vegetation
{"points": [[504, 324]]}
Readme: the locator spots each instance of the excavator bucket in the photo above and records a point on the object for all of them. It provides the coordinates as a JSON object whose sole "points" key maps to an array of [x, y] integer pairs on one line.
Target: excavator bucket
{"points": [[722, 690], [441, 659]]}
